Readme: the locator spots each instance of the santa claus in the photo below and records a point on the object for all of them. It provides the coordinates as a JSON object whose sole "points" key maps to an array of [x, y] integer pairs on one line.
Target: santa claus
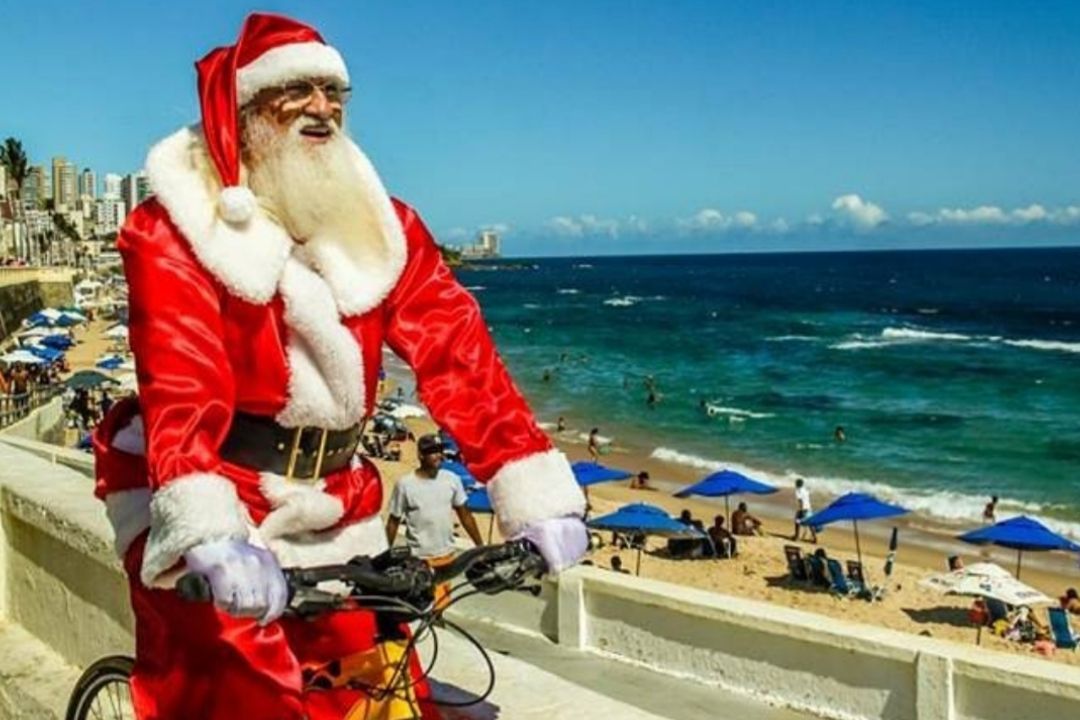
{"points": [[265, 275]]}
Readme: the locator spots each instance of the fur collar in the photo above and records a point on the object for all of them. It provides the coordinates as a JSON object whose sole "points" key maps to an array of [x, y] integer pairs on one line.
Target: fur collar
{"points": [[249, 259]]}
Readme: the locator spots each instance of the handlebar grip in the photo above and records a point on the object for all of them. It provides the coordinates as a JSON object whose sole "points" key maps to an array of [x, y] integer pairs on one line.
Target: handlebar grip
{"points": [[194, 587]]}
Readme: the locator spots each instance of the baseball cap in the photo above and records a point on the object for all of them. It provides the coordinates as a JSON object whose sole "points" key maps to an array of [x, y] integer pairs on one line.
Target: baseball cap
{"points": [[428, 444]]}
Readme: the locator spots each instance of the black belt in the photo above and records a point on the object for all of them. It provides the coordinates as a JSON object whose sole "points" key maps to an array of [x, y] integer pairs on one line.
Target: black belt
{"points": [[305, 453]]}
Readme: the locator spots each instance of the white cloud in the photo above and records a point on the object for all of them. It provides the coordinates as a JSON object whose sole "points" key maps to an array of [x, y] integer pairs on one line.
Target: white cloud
{"points": [[635, 224], [712, 220], [779, 225], [995, 215], [582, 225], [982, 215], [1031, 213], [499, 227], [1066, 216], [456, 234], [861, 214], [745, 219]]}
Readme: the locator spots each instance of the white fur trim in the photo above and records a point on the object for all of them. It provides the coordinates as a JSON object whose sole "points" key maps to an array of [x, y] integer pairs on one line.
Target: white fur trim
{"points": [[366, 537], [298, 507], [248, 258], [296, 61], [237, 204], [189, 510], [129, 514], [534, 488], [326, 371]]}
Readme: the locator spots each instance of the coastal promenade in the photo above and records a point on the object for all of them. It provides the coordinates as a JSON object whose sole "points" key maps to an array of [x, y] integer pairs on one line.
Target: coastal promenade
{"points": [[592, 643], [63, 603]]}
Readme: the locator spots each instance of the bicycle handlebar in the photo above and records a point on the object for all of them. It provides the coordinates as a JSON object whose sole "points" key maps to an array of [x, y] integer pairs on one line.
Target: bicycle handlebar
{"points": [[398, 574]]}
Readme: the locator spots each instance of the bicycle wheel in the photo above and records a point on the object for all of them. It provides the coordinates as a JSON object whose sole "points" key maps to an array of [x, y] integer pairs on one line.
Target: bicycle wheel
{"points": [[103, 691]]}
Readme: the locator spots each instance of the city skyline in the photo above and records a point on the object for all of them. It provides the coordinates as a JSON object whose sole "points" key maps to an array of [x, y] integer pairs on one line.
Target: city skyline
{"points": [[614, 128]]}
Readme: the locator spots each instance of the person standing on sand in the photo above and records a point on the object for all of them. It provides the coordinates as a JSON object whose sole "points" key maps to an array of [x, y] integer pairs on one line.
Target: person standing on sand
{"points": [[422, 501], [594, 445], [990, 511], [803, 510]]}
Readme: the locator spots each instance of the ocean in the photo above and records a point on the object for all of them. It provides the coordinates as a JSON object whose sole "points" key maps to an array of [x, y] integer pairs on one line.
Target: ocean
{"points": [[954, 374]]}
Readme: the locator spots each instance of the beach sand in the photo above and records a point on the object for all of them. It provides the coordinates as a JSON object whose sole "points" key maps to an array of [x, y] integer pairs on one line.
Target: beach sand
{"points": [[760, 570]]}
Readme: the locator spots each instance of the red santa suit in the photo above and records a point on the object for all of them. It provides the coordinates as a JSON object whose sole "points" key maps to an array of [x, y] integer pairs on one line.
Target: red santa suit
{"points": [[236, 317]]}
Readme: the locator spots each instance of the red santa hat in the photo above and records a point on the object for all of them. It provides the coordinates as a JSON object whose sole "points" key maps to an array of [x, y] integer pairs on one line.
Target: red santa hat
{"points": [[271, 50]]}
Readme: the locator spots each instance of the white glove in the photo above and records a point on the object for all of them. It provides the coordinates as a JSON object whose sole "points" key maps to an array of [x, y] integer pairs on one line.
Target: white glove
{"points": [[561, 541], [246, 580]]}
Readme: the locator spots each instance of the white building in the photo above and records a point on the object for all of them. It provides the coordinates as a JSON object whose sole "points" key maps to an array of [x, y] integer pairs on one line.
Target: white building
{"points": [[486, 246], [109, 214], [112, 186]]}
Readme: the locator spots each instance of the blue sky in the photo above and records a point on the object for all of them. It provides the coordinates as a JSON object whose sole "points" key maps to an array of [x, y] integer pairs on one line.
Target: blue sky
{"points": [[602, 126]]}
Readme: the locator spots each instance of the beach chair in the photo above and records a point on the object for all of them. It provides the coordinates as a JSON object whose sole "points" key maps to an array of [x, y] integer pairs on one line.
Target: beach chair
{"points": [[1064, 637], [796, 564], [839, 584], [857, 579]]}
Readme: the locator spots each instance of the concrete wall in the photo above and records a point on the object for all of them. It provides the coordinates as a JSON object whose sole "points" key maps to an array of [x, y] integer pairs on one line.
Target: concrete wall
{"points": [[62, 588], [24, 291], [786, 657]]}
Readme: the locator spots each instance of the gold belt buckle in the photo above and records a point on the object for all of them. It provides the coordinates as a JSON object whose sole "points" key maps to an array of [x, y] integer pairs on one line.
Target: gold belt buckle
{"points": [[294, 453]]}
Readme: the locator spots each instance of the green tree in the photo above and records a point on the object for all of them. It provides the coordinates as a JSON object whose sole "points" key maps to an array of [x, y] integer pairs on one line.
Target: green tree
{"points": [[14, 160]]}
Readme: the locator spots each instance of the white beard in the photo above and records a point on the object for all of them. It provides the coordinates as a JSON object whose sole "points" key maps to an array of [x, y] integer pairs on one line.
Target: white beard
{"points": [[315, 191]]}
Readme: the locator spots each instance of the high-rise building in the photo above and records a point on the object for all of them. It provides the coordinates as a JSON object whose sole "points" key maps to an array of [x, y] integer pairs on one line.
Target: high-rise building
{"points": [[142, 187], [88, 183], [33, 188], [134, 188], [112, 185], [64, 184], [488, 240]]}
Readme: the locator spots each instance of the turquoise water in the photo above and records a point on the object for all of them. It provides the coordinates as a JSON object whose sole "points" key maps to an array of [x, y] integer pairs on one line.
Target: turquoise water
{"points": [[955, 374]]}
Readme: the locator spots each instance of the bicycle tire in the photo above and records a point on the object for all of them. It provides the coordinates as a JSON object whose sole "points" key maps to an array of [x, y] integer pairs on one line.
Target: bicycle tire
{"points": [[108, 671]]}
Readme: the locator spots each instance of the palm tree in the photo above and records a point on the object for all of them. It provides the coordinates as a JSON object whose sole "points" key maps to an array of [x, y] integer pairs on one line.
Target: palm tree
{"points": [[14, 160]]}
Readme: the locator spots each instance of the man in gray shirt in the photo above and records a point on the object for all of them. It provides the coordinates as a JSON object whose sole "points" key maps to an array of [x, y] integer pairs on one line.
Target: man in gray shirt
{"points": [[423, 500]]}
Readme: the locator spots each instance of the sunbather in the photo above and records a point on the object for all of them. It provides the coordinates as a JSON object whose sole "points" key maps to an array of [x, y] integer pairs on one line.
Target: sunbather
{"points": [[743, 523], [1070, 601], [722, 538]]}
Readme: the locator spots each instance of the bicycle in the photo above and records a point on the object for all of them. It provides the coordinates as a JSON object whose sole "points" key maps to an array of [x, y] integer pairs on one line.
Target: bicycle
{"points": [[397, 587]]}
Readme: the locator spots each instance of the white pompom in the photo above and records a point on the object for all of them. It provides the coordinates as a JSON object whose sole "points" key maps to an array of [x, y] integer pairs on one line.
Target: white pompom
{"points": [[237, 204]]}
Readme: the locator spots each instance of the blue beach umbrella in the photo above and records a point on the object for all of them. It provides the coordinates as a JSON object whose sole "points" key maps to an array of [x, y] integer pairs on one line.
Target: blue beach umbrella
{"points": [[59, 342], [854, 507], [110, 363], [1020, 534], [39, 319], [47, 354], [467, 478], [643, 518], [590, 473], [725, 484], [478, 501]]}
